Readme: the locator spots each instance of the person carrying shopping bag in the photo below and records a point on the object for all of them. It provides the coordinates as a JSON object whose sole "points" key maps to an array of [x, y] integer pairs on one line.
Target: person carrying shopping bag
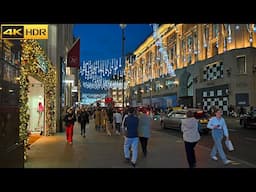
{"points": [[219, 130]]}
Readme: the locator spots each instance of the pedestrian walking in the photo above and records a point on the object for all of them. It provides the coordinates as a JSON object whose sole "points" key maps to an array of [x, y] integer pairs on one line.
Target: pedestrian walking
{"points": [[219, 130], [98, 119], [131, 139], [191, 136], [69, 120], [84, 119], [117, 117], [144, 131]]}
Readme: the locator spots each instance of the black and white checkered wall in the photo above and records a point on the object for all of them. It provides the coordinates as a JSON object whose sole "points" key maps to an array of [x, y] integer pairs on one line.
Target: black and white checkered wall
{"points": [[216, 98], [213, 71]]}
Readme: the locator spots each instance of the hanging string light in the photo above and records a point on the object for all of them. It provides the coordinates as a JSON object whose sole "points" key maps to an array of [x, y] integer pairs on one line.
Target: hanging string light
{"points": [[250, 28], [162, 50], [101, 74]]}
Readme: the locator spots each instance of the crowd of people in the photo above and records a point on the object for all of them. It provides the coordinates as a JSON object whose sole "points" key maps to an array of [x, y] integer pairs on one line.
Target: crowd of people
{"points": [[135, 126]]}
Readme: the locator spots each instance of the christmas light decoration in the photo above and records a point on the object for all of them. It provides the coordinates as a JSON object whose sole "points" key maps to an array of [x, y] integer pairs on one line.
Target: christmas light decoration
{"points": [[102, 74], [162, 49], [31, 51]]}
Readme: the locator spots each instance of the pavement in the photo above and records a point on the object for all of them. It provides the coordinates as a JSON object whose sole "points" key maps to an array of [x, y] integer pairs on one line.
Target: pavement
{"points": [[97, 150]]}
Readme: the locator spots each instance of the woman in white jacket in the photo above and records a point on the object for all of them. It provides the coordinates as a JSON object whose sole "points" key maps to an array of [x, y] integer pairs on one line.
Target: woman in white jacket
{"points": [[191, 136]]}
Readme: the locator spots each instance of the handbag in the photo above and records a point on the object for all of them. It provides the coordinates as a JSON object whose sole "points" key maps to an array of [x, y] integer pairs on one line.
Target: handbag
{"points": [[229, 145]]}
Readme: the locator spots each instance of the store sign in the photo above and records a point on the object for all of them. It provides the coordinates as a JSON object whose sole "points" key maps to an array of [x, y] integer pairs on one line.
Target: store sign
{"points": [[42, 64], [19, 31]]}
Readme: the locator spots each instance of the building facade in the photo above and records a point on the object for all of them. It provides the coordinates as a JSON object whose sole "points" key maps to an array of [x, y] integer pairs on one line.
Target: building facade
{"points": [[214, 65], [60, 40]]}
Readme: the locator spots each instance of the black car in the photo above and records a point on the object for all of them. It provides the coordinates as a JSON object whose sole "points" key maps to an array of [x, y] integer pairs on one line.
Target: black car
{"points": [[248, 119]]}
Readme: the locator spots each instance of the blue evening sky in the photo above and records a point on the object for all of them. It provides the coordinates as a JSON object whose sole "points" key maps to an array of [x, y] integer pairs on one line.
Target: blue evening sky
{"points": [[104, 41]]}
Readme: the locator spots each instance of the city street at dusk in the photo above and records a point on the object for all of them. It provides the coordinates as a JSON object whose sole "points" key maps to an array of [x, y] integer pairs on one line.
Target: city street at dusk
{"points": [[128, 95]]}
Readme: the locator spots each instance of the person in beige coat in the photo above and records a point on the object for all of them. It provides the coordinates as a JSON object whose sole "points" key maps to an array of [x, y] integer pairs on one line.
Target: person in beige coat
{"points": [[191, 136], [97, 119]]}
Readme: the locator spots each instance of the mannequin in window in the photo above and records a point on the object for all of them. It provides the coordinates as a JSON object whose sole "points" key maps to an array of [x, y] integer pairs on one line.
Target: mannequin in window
{"points": [[40, 110]]}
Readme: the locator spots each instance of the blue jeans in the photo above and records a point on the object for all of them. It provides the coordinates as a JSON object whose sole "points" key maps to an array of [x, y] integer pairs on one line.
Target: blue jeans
{"points": [[217, 135], [133, 142]]}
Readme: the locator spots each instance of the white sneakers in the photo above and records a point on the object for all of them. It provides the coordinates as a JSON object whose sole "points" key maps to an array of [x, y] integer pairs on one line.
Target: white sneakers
{"points": [[227, 162]]}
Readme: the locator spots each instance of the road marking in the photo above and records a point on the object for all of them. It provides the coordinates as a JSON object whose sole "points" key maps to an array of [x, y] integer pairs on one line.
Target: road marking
{"points": [[250, 138], [235, 163]]}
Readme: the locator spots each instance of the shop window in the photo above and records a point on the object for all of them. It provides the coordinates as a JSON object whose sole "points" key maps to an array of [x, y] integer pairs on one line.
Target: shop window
{"points": [[219, 92]]}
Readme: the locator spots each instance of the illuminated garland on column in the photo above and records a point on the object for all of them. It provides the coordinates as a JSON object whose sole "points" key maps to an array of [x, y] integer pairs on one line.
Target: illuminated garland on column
{"points": [[162, 49], [29, 66], [50, 97]]}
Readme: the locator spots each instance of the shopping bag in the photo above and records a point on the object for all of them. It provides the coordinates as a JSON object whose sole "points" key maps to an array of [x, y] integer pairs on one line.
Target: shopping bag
{"points": [[229, 145]]}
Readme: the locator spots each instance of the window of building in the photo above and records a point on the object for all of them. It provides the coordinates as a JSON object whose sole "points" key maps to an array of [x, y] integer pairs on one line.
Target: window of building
{"points": [[189, 43], [171, 53], [190, 86], [219, 92], [172, 56], [171, 39], [183, 47], [241, 64], [214, 49], [215, 30], [195, 42]]}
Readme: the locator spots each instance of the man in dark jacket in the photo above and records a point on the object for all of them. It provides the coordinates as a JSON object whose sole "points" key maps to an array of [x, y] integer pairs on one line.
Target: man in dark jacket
{"points": [[84, 119], [131, 139]]}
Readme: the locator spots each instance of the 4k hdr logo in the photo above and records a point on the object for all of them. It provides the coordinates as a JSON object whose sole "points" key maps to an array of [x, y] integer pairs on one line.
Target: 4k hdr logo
{"points": [[24, 31]]}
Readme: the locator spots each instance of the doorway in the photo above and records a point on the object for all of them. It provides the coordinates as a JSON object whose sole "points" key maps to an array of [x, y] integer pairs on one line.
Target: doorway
{"points": [[36, 106]]}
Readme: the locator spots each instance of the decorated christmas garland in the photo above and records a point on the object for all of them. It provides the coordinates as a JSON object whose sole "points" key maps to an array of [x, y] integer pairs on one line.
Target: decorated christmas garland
{"points": [[29, 66]]}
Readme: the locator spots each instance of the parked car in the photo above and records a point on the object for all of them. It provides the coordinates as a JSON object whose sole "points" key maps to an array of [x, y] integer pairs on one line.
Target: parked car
{"points": [[248, 119], [173, 119]]}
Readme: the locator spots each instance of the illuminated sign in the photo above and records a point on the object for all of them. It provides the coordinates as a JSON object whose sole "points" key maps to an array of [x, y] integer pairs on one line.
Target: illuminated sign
{"points": [[20, 31]]}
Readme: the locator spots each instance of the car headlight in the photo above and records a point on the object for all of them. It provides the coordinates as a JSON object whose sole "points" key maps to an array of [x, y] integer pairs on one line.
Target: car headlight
{"points": [[203, 121]]}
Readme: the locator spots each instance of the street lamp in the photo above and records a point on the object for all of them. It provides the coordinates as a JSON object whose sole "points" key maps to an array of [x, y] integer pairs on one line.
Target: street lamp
{"points": [[150, 91], [123, 58]]}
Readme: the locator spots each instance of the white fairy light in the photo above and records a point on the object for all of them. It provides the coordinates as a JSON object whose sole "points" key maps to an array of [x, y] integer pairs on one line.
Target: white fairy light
{"points": [[159, 43]]}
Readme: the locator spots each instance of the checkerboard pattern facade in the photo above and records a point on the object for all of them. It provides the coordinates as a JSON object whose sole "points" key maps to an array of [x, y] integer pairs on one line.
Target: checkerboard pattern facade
{"points": [[215, 98], [213, 71]]}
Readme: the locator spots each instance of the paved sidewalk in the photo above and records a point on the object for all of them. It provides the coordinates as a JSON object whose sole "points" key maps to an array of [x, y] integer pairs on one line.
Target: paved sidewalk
{"points": [[98, 150]]}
